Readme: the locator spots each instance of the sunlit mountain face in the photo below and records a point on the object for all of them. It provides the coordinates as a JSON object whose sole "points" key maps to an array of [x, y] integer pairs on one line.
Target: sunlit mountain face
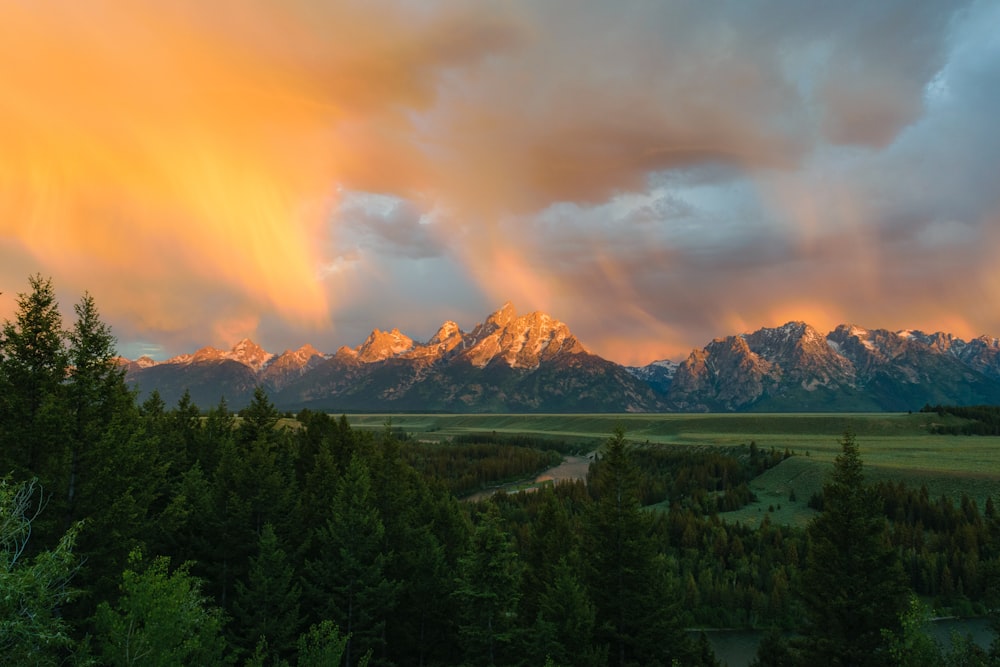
{"points": [[658, 174], [534, 363]]}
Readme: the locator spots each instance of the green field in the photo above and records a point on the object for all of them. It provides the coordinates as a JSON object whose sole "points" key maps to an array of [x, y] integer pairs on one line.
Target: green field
{"points": [[894, 446]]}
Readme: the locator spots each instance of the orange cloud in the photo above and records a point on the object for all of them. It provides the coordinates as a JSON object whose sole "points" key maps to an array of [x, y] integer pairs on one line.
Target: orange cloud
{"points": [[137, 144], [191, 145], [180, 160]]}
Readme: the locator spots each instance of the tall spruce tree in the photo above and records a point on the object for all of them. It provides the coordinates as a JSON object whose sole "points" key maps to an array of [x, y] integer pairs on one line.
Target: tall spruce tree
{"points": [[97, 395], [267, 605], [852, 586], [564, 627], [346, 582], [637, 610], [489, 580], [33, 364]]}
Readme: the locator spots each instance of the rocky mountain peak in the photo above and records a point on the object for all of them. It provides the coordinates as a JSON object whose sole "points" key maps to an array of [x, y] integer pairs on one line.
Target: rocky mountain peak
{"points": [[298, 357], [533, 361], [207, 353], [250, 354], [446, 332], [289, 365], [793, 343], [145, 361], [382, 345], [344, 352], [503, 316], [522, 342]]}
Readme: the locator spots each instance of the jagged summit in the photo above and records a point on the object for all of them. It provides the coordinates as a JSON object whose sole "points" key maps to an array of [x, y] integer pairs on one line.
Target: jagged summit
{"points": [[522, 342], [250, 353], [532, 362], [381, 345], [290, 365], [145, 361], [503, 316], [245, 352], [445, 332]]}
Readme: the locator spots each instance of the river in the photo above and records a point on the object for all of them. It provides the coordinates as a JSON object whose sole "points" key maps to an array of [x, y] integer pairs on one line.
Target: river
{"points": [[571, 467], [737, 648]]}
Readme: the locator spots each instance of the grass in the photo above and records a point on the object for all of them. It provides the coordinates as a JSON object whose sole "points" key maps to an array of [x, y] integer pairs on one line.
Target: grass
{"points": [[894, 446]]}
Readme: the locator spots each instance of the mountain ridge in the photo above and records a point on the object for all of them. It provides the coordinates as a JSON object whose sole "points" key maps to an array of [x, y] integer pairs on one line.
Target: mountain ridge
{"points": [[533, 362]]}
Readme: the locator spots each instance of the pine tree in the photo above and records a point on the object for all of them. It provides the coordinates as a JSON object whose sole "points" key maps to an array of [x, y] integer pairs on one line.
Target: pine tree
{"points": [[416, 556], [773, 651], [637, 610], [33, 364], [566, 621], [267, 605], [852, 585], [97, 395], [257, 420], [553, 537], [489, 580], [118, 500], [347, 581], [180, 435]]}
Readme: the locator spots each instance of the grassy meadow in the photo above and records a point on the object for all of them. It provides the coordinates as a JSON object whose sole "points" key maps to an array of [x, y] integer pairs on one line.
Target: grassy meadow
{"points": [[894, 446]]}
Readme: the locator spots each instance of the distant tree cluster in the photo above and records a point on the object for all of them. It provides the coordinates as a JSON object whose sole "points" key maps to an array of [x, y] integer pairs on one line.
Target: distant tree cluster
{"points": [[979, 419], [151, 534]]}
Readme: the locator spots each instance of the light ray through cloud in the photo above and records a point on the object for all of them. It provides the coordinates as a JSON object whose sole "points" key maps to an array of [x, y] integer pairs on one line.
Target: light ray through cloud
{"points": [[654, 174]]}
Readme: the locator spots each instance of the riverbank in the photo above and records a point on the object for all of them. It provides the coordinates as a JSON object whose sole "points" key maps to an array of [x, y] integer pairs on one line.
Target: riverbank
{"points": [[571, 468]]}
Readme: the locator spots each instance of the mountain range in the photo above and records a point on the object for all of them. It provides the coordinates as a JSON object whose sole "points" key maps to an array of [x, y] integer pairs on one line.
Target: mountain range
{"points": [[533, 363]]}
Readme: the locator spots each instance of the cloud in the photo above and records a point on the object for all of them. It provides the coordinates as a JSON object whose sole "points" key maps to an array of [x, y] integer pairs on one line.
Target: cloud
{"points": [[196, 148], [652, 173], [396, 227]]}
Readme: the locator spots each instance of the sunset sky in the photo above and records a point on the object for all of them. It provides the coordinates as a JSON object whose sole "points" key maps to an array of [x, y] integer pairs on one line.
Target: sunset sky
{"points": [[654, 174]]}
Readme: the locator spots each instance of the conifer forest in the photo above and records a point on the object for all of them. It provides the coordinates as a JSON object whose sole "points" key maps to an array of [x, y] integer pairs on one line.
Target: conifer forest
{"points": [[152, 534]]}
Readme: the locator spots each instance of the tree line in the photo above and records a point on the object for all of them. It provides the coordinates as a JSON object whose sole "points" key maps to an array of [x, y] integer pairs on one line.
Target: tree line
{"points": [[978, 419], [141, 533]]}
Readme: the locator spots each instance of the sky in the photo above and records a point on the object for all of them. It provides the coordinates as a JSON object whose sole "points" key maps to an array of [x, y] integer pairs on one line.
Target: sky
{"points": [[654, 174]]}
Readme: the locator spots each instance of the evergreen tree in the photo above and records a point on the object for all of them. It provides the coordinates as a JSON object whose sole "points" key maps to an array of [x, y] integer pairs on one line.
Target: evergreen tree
{"points": [[347, 581], [186, 528], [566, 621], [257, 420], [33, 364], [773, 651], [180, 435], [317, 496], [553, 537], [97, 395], [852, 586], [118, 498], [218, 430], [637, 613], [488, 591], [268, 604], [231, 524], [416, 557]]}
